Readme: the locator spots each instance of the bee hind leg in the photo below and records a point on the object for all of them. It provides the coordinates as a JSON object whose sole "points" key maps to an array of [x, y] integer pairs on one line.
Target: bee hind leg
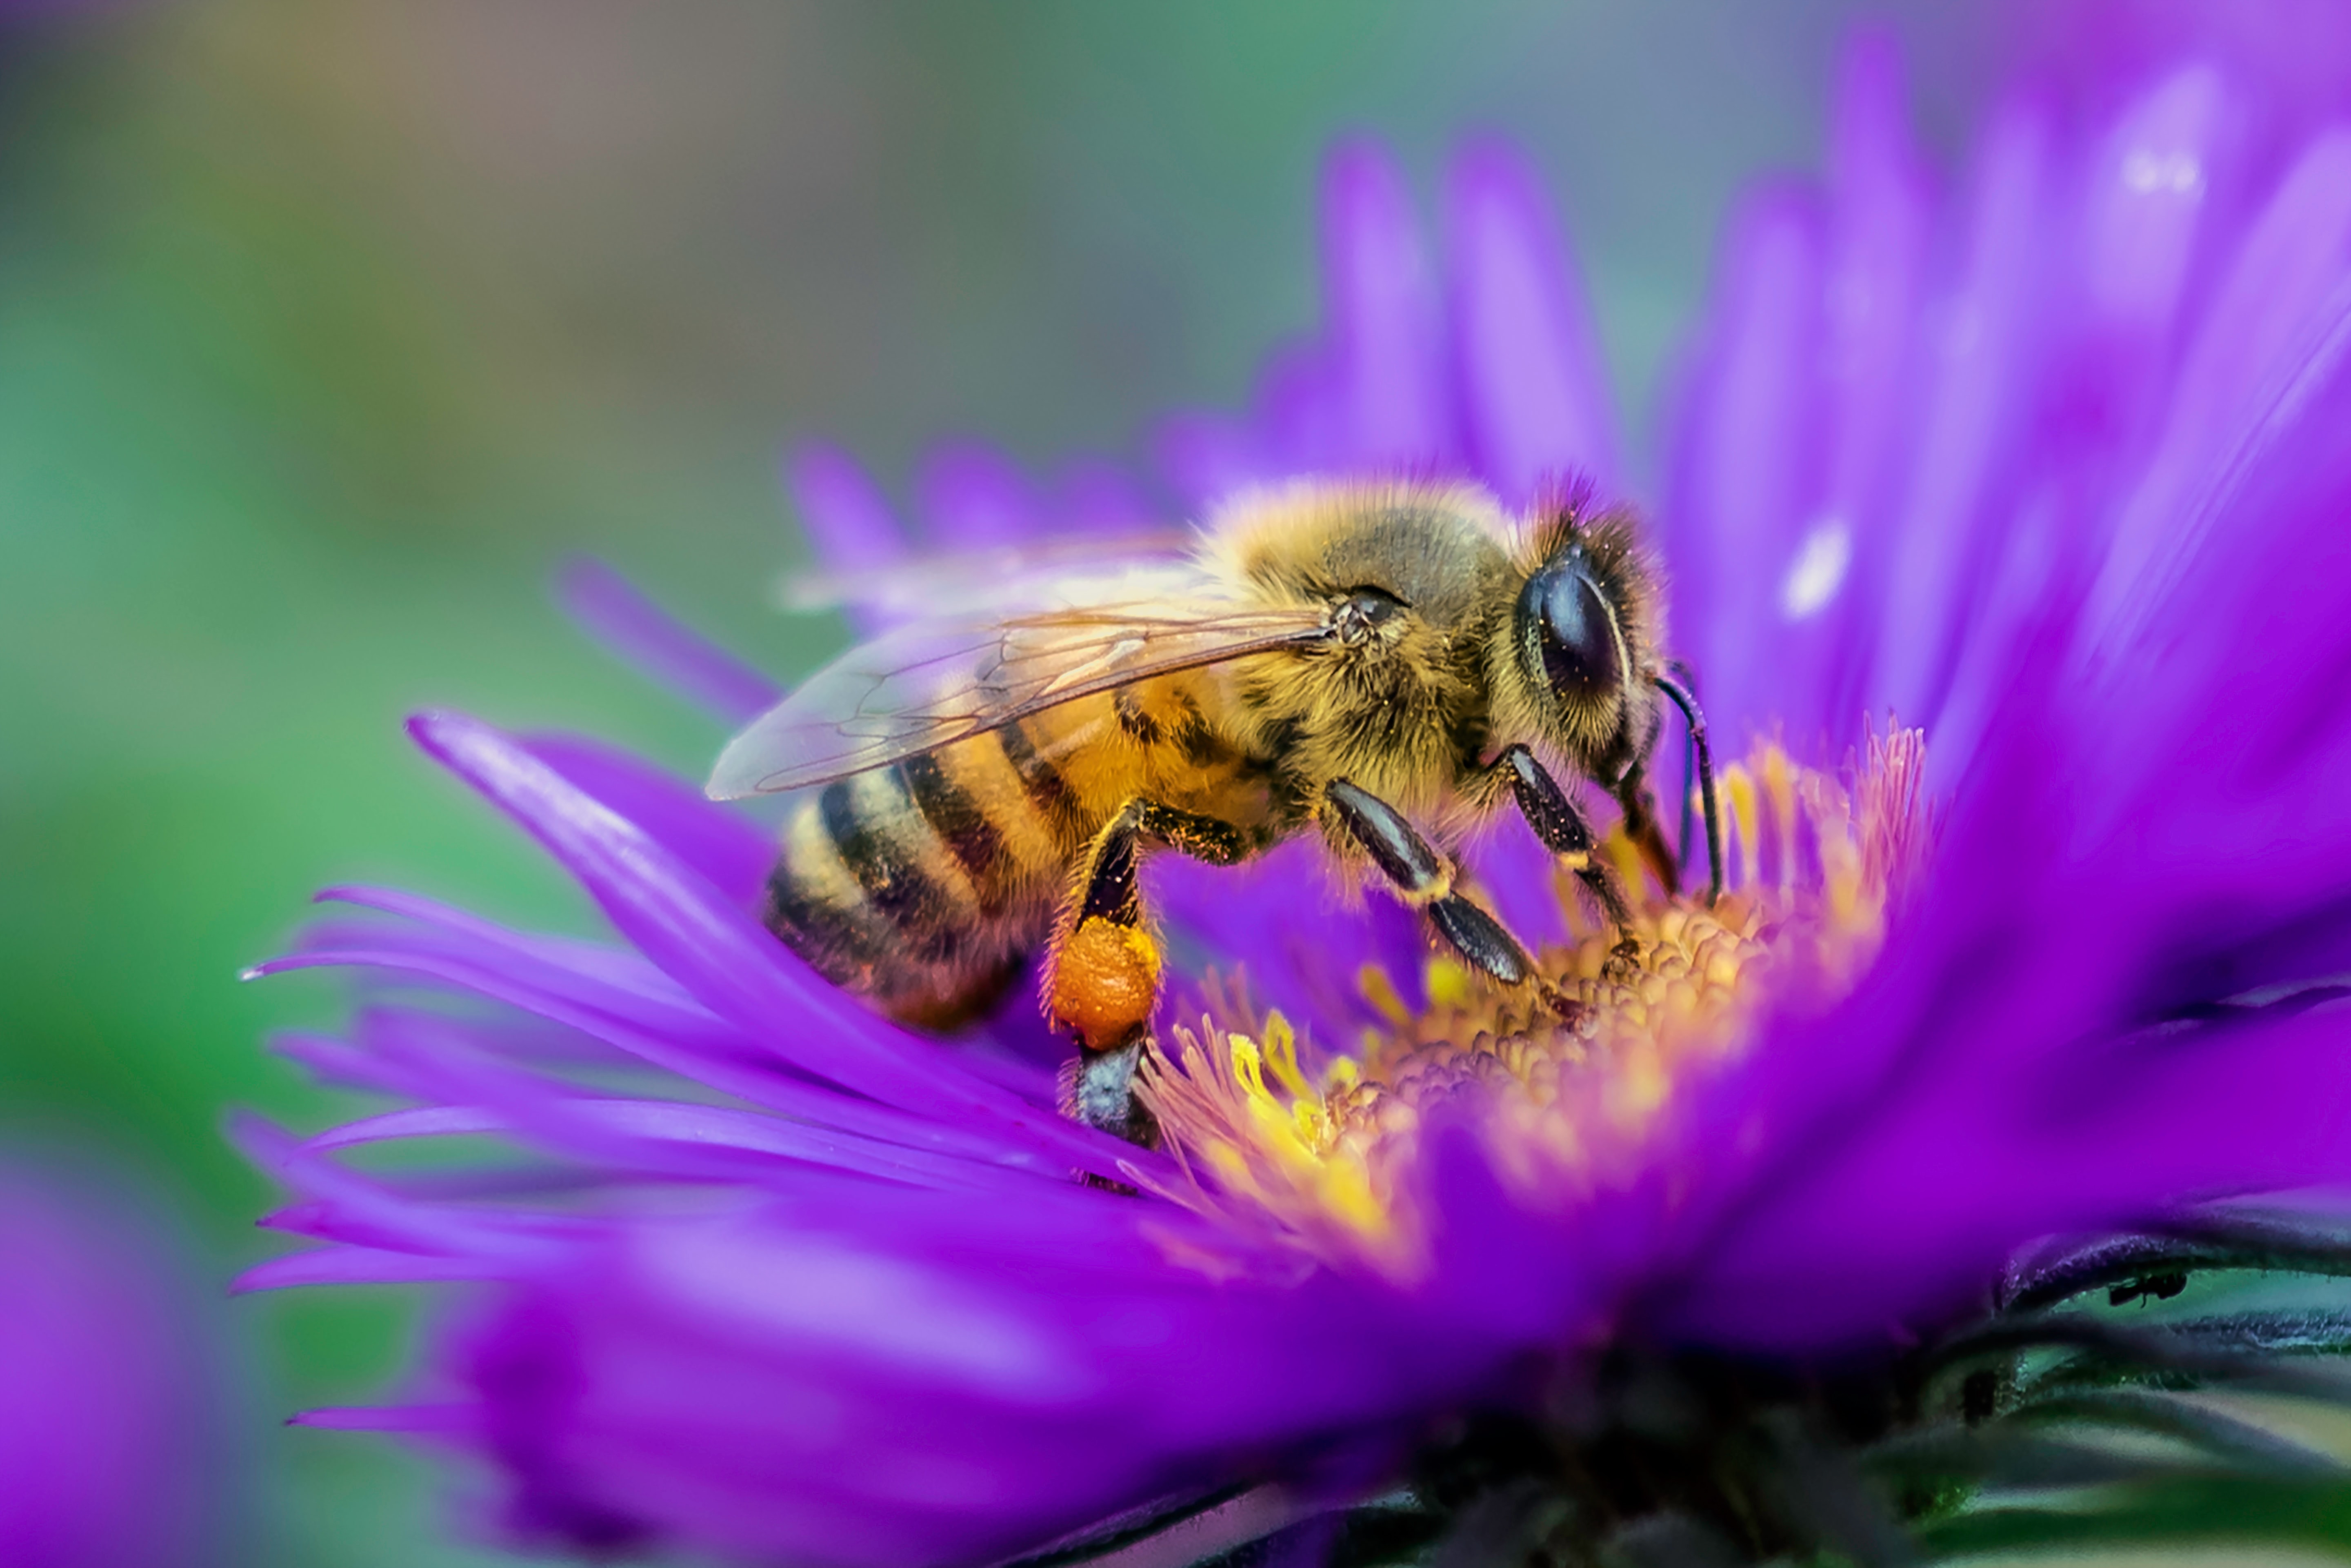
{"points": [[1422, 877], [1102, 979]]}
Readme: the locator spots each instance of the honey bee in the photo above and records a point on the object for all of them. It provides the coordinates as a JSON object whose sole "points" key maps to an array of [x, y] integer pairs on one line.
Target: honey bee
{"points": [[1383, 665]]}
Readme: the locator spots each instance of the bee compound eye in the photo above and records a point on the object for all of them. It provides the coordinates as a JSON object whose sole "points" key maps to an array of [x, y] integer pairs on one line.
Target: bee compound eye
{"points": [[1574, 630]]}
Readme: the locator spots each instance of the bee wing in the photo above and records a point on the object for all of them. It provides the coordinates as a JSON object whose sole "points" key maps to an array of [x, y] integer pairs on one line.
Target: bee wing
{"points": [[968, 581], [924, 686]]}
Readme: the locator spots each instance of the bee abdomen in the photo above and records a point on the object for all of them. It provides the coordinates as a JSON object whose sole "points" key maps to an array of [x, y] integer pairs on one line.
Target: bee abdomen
{"points": [[905, 884], [886, 846], [976, 843], [1048, 794]]}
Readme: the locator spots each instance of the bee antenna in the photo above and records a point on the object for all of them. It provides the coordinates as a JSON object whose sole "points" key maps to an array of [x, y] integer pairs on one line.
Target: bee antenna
{"points": [[1686, 700]]}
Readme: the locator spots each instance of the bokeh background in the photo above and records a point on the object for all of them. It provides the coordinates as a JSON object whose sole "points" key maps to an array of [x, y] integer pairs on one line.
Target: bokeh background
{"points": [[328, 328]]}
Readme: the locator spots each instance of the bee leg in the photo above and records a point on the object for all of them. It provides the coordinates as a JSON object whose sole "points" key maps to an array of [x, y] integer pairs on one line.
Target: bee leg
{"points": [[1640, 808], [1098, 1088], [1678, 692], [1422, 877], [1683, 836], [1561, 827], [1104, 970]]}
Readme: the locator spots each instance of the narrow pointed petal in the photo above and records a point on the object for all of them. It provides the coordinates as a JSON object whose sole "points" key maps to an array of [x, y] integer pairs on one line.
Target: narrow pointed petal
{"points": [[1959, 537], [1873, 279], [2265, 314], [633, 628], [1381, 315], [721, 957], [847, 522], [1534, 392], [720, 844], [1743, 497], [974, 497]]}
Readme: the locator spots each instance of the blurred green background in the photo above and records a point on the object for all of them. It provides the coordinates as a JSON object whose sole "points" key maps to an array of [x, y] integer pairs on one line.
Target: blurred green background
{"points": [[326, 330]]}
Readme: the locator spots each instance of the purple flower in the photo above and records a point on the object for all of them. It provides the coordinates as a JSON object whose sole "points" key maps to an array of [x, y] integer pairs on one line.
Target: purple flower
{"points": [[2052, 469], [110, 1426]]}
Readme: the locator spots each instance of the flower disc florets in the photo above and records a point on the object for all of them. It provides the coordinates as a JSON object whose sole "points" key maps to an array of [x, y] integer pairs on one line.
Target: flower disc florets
{"points": [[1319, 1137]]}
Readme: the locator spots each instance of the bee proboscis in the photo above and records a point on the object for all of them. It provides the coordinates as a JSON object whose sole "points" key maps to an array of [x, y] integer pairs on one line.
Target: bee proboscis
{"points": [[1379, 664]]}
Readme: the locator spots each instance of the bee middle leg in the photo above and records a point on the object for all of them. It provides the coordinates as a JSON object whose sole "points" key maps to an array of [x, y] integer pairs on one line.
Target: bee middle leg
{"points": [[1424, 879]]}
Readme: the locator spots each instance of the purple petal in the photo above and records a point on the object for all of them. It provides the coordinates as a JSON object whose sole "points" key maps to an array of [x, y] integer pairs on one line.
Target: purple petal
{"points": [[2263, 318], [117, 1447], [847, 523], [1207, 457], [347, 1265], [745, 1369], [658, 1137], [723, 958], [1750, 546], [419, 1122], [757, 1082], [373, 1214], [1976, 366], [846, 519], [1923, 1204], [1533, 388], [1381, 317], [1299, 406], [1281, 925], [628, 624], [1903, 1149], [340, 1065], [973, 498], [609, 981], [1096, 495], [723, 846], [1518, 878], [2146, 198], [1873, 281]]}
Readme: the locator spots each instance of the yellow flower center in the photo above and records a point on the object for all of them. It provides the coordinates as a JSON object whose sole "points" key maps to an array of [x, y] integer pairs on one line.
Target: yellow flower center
{"points": [[1324, 1153]]}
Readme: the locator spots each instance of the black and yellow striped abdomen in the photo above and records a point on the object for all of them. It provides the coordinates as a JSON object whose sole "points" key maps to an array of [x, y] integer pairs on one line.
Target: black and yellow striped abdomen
{"points": [[927, 883]]}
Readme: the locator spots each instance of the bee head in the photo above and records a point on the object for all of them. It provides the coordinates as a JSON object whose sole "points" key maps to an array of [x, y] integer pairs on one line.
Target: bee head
{"points": [[1581, 640]]}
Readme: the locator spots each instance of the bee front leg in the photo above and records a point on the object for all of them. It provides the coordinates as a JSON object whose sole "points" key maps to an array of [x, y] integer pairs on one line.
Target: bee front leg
{"points": [[1556, 822], [1677, 688], [1102, 979], [1422, 878]]}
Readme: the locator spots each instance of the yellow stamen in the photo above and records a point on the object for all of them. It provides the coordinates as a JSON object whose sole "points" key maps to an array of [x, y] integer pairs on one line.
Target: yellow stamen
{"points": [[1380, 992], [1448, 982], [1739, 789], [1281, 1054], [1779, 790]]}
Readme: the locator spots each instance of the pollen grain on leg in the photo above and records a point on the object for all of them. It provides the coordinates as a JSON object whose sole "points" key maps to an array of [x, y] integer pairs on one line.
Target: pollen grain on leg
{"points": [[1318, 1144]]}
